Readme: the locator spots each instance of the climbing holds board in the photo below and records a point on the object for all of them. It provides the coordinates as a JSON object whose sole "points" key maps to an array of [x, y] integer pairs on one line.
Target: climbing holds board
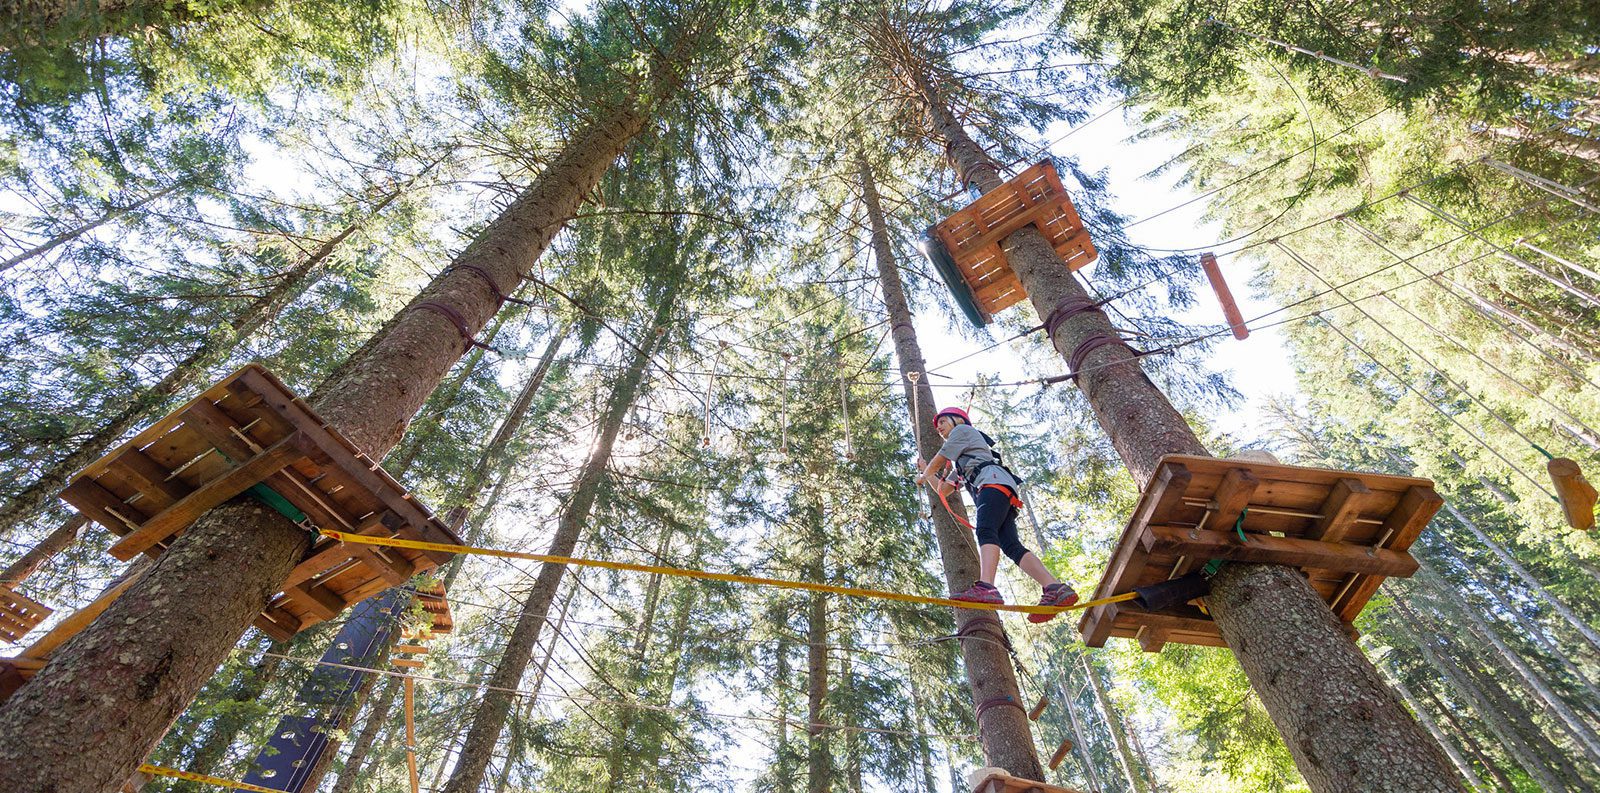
{"points": [[249, 432], [997, 780], [1346, 530], [19, 614], [971, 238]]}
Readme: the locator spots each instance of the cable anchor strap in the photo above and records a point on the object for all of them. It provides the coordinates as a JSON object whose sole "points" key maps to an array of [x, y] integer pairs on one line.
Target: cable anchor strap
{"points": [[1238, 526], [487, 278], [1069, 307], [1095, 342], [995, 702], [984, 623], [457, 320]]}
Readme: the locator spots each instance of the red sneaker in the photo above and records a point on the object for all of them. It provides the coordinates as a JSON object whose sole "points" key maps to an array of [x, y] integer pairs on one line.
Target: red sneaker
{"points": [[1054, 595], [979, 592]]}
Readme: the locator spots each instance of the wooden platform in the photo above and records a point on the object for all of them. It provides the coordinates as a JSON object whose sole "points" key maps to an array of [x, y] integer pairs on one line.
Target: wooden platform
{"points": [[995, 780], [19, 614], [249, 429], [972, 235], [1346, 530]]}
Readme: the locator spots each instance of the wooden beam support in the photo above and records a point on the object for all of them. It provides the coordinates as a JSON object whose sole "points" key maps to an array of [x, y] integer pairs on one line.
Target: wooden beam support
{"points": [[317, 599], [151, 479], [180, 515], [1340, 510], [101, 506], [1233, 495], [1405, 524], [1206, 544]]}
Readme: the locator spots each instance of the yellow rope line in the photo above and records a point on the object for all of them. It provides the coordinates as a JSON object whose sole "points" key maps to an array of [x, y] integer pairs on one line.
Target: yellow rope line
{"points": [[419, 545], [205, 780]]}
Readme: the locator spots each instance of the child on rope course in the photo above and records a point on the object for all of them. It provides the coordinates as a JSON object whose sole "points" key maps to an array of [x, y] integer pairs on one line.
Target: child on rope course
{"points": [[994, 492]]}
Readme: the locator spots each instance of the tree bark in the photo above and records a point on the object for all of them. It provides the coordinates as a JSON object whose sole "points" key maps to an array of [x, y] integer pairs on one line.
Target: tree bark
{"points": [[1003, 731], [55, 542], [1316, 685], [226, 728], [490, 717], [785, 774], [139, 406], [96, 710], [377, 716], [619, 753]]}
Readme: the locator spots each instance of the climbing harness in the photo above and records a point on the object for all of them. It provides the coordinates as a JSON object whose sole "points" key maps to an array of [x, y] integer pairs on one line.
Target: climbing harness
{"points": [[419, 545]]}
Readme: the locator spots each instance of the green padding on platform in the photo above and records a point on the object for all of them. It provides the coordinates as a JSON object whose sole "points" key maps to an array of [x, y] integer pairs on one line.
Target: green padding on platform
{"points": [[942, 261], [274, 499]]}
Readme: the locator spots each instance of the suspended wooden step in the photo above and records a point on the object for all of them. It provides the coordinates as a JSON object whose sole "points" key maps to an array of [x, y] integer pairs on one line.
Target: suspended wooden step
{"points": [[19, 614], [1230, 308], [1060, 754], [250, 433], [1576, 495], [1346, 530], [965, 247], [998, 780]]}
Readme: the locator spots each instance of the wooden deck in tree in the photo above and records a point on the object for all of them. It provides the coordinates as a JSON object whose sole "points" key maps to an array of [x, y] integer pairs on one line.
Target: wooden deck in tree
{"points": [[1346, 530], [19, 614], [249, 429], [995, 780], [973, 235]]}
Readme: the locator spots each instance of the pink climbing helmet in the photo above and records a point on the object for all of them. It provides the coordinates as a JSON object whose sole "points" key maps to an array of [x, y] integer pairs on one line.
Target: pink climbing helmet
{"points": [[957, 412]]}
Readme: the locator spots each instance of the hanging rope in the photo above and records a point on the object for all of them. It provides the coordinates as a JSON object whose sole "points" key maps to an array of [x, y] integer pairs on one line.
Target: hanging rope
{"points": [[1370, 71], [783, 410], [706, 575], [711, 386]]}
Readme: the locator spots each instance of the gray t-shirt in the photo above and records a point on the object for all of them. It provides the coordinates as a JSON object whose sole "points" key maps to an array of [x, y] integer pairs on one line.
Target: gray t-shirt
{"points": [[966, 441]]}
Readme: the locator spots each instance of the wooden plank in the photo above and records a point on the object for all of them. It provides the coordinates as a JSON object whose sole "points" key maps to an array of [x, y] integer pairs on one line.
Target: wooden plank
{"points": [[410, 648], [1233, 495], [319, 562], [1151, 640], [408, 663], [394, 571], [1573, 491], [277, 630], [1202, 545], [214, 426], [101, 506], [317, 599], [1405, 524], [1355, 599], [150, 478], [208, 496], [1168, 486], [1340, 510]]}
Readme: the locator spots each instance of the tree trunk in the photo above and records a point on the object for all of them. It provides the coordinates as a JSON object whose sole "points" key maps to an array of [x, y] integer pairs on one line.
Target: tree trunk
{"points": [[444, 399], [1003, 731], [55, 542], [377, 716], [1316, 685], [1444, 742], [1526, 577], [1509, 737], [619, 753], [785, 768], [1470, 742], [819, 750], [1553, 705], [1132, 769], [78, 231], [490, 718], [190, 371], [96, 710]]}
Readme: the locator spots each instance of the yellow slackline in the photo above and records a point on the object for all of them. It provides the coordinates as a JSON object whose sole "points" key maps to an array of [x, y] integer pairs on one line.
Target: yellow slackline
{"points": [[419, 545], [205, 780]]}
